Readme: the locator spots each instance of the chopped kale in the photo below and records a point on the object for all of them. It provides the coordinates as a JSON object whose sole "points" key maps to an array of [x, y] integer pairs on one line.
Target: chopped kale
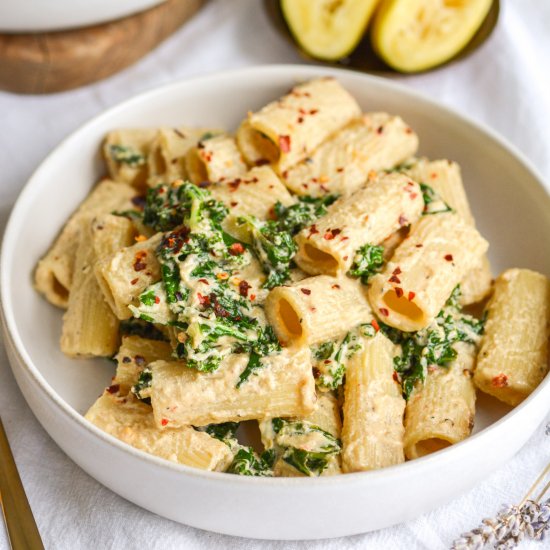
{"points": [[142, 388], [433, 345], [168, 206], [368, 261], [265, 344], [433, 203], [273, 247], [126, 155], [248, 463], [304, 446], [331, 357], [294, 218], [224, 431]]}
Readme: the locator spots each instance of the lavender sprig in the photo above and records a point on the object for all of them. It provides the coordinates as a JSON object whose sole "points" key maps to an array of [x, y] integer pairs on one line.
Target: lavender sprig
{"points": [[509, 528]]}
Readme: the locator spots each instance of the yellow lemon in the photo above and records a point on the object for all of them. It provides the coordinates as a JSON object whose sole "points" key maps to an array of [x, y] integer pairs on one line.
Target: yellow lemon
{"points": [[414, 35]]}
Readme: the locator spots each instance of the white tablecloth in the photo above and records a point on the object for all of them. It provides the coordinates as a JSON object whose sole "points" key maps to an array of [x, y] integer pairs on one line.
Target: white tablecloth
{"points": [[505, 84]]}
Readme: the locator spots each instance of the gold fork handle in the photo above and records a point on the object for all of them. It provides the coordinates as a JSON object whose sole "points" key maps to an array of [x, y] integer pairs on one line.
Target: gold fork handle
{"points": [[22, 531]]}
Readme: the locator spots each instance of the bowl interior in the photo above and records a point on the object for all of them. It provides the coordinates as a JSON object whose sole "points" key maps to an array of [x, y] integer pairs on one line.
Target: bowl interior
{"points": [[512, 209]]}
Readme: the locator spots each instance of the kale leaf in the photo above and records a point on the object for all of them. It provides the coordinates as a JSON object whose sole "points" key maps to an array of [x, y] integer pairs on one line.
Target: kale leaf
{"points": [[433, 203], [168, 206], [124, 154], [247, 463], [142, 388], [303, 213], [368, 260], [433, 345]]}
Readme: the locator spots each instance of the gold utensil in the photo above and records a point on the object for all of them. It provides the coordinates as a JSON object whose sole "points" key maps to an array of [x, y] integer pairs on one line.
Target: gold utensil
{"points": [[22, 530], [363, 57]]}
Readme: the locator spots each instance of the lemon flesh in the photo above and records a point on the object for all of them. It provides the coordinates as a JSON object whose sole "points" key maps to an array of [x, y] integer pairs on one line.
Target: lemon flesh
{"points": [[328, 29], [415, 35]]}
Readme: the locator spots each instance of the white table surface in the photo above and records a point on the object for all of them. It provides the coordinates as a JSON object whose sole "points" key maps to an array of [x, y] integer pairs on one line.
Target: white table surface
{"points": [[505, 84]]}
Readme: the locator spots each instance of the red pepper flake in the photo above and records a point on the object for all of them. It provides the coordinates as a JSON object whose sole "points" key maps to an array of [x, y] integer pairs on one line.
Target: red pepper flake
{"points": [[402, 220], [331, 233], [433, 175], [449, 257], [113, 389], [384, 311], [134, 281], [413, 196], [396, 271], [233, 203], [394, 279], [375, 325], [313, 111], [500, 381], [157, 300], [261, 162], [395, 376], [305, 291], [234, 185], [336, 286], [300, 119], [408, 130], [243, 288], [252, 297], [344, 238], [312, 230], [203, 300], [164, 421], [345, 258], [284, 143], [380, 129], [339, 169], [205, 281], [285, 174], [411, 296], [419, 245], [236, 249], [398, 291], [139, 265]]}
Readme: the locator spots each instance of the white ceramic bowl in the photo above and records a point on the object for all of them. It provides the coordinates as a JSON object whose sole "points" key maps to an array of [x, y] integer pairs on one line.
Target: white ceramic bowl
{"points": [[511, 208], [53, 15]]}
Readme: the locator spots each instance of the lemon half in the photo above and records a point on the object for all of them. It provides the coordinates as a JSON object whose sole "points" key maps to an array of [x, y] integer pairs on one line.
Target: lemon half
{"points": [[328, 29], [415, 35]]}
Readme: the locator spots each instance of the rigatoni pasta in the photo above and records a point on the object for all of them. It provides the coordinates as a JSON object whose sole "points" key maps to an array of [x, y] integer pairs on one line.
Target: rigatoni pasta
{"points": [[424, 269], [513, 358], [376, 141], [304, 275], [370, 215], [287, 130]]}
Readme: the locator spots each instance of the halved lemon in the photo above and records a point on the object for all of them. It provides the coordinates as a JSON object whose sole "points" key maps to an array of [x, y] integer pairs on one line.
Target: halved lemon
{"points": [[414, 35], [328, 29]]}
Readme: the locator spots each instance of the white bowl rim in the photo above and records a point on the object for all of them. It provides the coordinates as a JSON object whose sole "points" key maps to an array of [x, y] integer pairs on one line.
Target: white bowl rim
{"points": [[308, 71]]}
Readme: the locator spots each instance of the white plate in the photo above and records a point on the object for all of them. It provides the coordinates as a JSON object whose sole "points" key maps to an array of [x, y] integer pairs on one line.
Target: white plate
{"points": [[53, 15], [512, 210]]}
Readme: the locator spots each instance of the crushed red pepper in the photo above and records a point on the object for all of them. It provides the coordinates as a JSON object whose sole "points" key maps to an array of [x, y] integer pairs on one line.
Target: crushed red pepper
{"points": [[284, 144], [305, 291]]}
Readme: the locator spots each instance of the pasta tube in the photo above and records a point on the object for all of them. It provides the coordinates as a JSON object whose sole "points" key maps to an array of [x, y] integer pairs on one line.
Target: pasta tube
{"points": [[376, 141], [254, 193], [372, 434], [414, 286], [444, 177], [166, 159], [125, 153], [124, 275], [134, 354], [54, 272], [215, 159], [316, 309], [90, 328], [441, 412], [287, 130], [325, 416], [132, 422], [513, 358], [284, 386], [369, 215]]}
